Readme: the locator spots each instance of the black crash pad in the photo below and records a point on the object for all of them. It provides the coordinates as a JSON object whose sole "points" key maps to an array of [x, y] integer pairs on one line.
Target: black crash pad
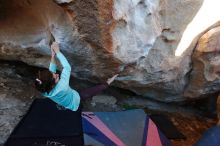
{"points": [[47, 123]]}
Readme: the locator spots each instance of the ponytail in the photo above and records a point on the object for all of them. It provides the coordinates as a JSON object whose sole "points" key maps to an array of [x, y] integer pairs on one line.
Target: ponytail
{"points": [[44, 81]]}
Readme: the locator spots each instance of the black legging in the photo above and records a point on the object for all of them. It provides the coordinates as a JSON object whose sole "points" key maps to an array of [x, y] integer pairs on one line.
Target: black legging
{"points": [[92, 91]]}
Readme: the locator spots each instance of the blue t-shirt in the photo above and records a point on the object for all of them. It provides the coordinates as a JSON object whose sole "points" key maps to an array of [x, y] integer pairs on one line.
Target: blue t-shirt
{"points": [[62, 93]]}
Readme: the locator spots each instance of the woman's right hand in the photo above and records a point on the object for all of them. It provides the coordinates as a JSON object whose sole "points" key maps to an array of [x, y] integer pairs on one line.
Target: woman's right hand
{"points": [[55, 47]]}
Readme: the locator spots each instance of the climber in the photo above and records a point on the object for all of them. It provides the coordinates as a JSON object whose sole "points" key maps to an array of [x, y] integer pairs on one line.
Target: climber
{"points": [[56, 87]]}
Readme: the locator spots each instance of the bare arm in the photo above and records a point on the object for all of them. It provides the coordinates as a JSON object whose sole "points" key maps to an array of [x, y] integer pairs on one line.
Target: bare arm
{"points": [[53, 56], [53, 66]]}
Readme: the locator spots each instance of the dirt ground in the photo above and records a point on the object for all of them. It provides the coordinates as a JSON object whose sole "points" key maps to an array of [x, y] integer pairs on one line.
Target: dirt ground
{"points": [[191, 127]]}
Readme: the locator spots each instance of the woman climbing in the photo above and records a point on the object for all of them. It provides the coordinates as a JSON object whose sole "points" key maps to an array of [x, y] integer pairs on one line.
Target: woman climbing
{"points": [[56, 87]]}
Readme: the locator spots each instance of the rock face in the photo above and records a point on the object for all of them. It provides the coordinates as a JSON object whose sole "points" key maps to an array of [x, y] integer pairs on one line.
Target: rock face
{"points": [[206, 65], [135, 37]]}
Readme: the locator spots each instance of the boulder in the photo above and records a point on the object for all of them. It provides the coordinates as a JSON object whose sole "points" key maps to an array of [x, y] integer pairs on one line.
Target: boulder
{"points": [[137, 38]]}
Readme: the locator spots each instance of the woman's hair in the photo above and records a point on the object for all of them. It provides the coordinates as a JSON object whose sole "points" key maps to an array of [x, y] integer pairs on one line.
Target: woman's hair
{"points": [[44, 81]]}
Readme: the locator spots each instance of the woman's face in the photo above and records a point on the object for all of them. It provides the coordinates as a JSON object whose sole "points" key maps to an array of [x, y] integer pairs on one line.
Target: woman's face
{"points": [[56, 77]]}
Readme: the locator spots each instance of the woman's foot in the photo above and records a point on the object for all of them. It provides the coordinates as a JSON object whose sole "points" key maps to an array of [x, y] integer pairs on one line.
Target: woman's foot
{"points": [[110, 80]]}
